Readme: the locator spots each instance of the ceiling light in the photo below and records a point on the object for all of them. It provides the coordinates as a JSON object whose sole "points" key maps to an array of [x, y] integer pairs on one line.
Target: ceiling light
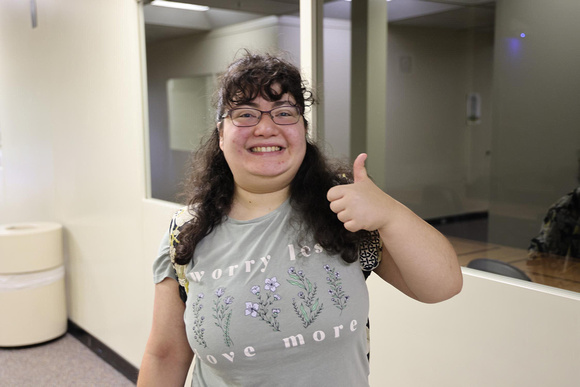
{"points": [[173, 4]]}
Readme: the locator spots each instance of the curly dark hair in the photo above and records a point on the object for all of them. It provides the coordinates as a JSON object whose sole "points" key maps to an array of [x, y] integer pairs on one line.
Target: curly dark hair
{"points": [[209, 188]]}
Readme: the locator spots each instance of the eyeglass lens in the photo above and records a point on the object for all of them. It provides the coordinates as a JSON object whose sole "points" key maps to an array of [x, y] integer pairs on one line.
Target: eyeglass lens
{"points": [[283, 115]]}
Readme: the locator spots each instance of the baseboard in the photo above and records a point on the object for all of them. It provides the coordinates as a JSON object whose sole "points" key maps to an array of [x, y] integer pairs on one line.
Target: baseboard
{"points": [[104, 352], [458, 218]]}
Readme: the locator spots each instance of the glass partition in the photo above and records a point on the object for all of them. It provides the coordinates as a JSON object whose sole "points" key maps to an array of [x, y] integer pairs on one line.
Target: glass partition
{"points": [[482, 133]]}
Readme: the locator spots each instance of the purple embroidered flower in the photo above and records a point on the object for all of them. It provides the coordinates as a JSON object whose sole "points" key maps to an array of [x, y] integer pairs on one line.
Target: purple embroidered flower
{"points": [[338, 298], [276, 297], [252, 309], [200, 296], [275, 312], [229, 300], [220, 292], [291, 270], [255, 289], [271, 284], [301, 295], [326, 267]]}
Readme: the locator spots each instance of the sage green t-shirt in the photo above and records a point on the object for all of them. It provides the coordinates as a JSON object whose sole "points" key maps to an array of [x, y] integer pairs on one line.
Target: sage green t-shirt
{"points": [[263, 309]]}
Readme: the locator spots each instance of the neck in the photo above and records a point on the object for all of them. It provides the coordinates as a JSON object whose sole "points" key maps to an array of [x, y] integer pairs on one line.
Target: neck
{"points": [[249, 205]]}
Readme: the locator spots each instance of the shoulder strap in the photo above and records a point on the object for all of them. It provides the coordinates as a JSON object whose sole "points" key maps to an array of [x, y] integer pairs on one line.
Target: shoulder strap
{"points": [[370, 253], [181, 217]]}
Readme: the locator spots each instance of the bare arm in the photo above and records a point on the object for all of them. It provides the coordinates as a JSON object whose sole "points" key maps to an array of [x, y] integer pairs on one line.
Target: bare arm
{"points": [[417, 259], [167, 355]]}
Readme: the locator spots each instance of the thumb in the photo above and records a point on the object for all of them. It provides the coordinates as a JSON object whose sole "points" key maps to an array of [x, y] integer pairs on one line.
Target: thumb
{"points": [[358, 169]]}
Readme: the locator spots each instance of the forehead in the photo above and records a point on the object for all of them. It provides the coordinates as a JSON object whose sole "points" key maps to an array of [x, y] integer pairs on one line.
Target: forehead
{"points": [[262, 100]]}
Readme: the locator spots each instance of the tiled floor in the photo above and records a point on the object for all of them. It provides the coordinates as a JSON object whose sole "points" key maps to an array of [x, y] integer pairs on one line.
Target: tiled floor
{"points": [[60, 363]]}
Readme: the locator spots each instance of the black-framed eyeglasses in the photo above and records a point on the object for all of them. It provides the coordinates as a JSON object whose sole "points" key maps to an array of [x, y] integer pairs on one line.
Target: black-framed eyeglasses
{"points": [[282, 115]]}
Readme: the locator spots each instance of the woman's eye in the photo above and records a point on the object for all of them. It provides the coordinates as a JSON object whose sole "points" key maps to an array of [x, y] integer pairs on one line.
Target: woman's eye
{"points": [[245, 114], [285, 113]]}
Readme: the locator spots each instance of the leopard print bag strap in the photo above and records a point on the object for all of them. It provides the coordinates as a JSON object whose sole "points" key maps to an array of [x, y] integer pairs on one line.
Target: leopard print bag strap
{"points": [[179, 219]]}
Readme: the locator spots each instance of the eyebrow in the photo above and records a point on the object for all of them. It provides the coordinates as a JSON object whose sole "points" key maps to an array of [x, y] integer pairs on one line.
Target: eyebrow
{"points": [[275, 104]]}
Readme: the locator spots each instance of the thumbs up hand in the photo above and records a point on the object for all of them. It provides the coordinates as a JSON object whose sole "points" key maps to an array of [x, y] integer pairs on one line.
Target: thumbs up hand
{"points": [[360, 205]]}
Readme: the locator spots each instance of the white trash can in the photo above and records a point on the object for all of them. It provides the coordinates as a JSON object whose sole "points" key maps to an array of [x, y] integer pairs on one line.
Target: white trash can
{"points": [[32, 284]]}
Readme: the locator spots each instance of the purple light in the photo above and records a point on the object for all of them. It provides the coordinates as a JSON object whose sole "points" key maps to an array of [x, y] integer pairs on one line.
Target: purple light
{"points": [[522, 35]]}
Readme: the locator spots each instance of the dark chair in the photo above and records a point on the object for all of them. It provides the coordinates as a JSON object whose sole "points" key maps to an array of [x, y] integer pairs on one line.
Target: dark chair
{"points": [[498, 267]]}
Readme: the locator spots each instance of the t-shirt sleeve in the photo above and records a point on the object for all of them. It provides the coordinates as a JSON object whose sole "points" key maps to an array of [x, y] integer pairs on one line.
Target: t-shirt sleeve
{"points": [[162, 267]]}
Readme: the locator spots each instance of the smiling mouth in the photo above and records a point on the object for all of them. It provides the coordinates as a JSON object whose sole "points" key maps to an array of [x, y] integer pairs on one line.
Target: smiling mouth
{"points": [[265, 149]]}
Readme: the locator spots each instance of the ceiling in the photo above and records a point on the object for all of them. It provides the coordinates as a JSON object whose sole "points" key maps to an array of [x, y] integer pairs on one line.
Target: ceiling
{"points": [[165, 23]]}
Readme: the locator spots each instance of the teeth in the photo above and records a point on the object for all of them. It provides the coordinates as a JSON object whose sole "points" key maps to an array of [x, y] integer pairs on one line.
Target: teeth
{"points": [[265, 149]]}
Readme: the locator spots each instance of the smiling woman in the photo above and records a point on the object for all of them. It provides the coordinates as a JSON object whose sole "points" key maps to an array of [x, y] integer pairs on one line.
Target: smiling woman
{"points": [[259, 191]]}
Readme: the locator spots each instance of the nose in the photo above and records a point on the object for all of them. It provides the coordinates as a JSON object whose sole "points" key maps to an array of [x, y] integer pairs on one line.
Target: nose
{"points": [[265, 127]]}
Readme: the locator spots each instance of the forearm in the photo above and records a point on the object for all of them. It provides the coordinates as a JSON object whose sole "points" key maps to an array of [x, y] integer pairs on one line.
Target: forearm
{"points": [[417, 259], [425, 259], [163, 371], [167, 356]]}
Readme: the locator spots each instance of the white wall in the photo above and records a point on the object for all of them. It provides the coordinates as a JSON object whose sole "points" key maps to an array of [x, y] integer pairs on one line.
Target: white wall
{"points": [[72, 127], [26, 173], [73, 152], [498, 332]]}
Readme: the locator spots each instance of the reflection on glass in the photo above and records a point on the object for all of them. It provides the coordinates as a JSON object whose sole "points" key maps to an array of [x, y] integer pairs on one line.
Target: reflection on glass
{"points": [[189, 110], [488, 182]]}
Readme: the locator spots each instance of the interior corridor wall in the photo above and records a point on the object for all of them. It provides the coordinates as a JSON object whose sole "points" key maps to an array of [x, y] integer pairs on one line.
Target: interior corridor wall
{"points": [[498, 332], [71, 118], [26, 166]]}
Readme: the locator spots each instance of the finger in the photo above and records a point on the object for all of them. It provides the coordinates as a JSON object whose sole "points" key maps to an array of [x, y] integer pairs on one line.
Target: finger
{"points": [[344, 217], [337, 206], [352, 226], [358, 169], [334, 193]]}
